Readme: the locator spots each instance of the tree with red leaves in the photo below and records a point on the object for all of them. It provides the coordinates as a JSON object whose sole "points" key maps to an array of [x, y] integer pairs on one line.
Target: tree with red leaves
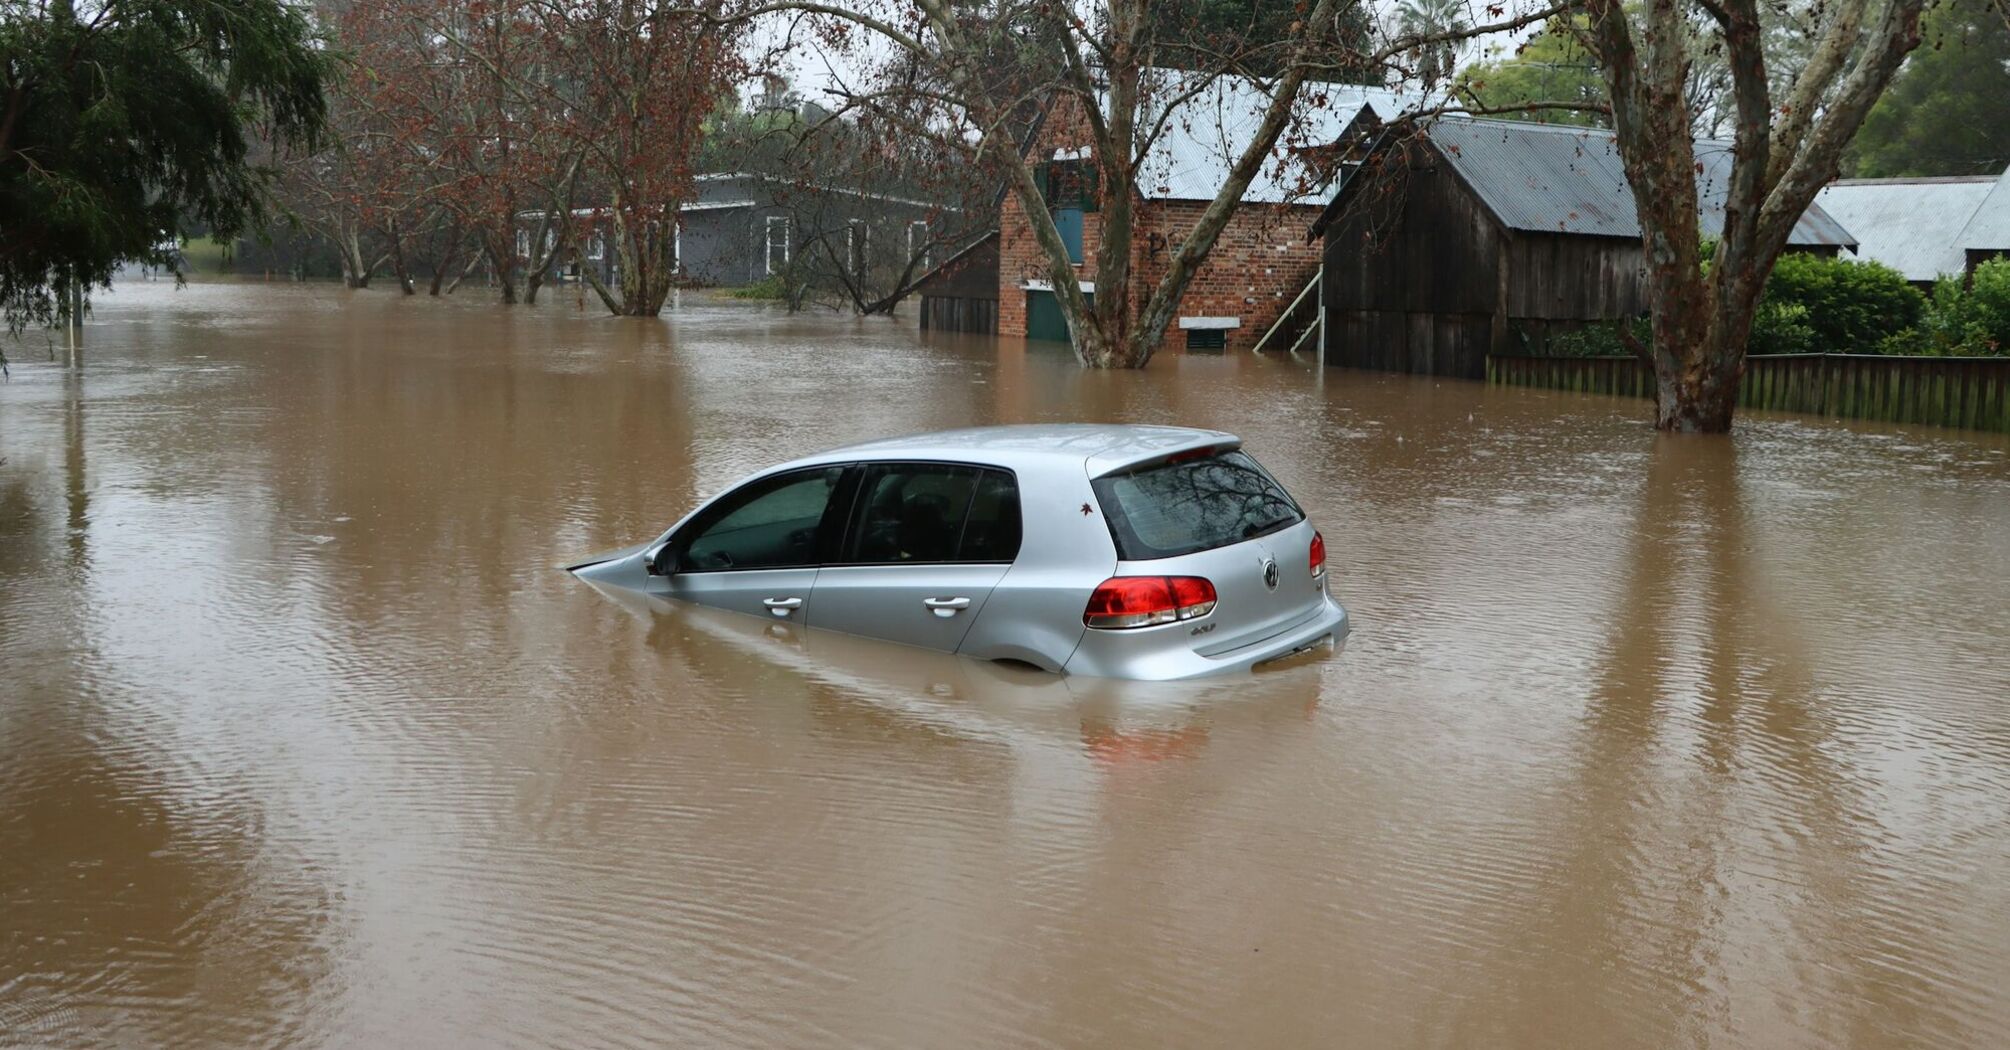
{"points": [[524, 127], [630, 83]]}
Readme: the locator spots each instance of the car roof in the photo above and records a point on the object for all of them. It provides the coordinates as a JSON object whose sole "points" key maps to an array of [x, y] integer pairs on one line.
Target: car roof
{"points": [[1101, 447]]}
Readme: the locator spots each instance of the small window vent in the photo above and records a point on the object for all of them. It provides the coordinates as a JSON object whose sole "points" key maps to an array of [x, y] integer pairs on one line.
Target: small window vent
{"points": [[1207, 339]]}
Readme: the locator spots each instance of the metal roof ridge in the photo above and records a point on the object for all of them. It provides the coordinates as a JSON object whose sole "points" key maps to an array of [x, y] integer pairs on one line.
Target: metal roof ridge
{"points": [[1919, 180]]}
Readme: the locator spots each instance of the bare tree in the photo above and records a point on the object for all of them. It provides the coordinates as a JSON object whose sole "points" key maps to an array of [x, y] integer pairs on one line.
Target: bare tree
{"points": [[491, 139], [1096, 67], [876, 195], [1785, 151]]}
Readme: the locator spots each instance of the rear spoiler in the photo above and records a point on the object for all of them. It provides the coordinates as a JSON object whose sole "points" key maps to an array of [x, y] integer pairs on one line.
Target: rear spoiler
{"points": [[1198, 450]]}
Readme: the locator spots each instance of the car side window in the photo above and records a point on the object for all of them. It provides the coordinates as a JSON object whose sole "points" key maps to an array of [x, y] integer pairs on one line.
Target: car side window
{"points": [[932, 513], [773, 523], [991, 532]]}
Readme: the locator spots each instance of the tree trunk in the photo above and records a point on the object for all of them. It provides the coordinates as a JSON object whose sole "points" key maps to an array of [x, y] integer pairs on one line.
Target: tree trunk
{"points": [[592, 278], [1782, 156], [1697, 372], [355, 270], [398, 267], [503, 257], [474, 260]]}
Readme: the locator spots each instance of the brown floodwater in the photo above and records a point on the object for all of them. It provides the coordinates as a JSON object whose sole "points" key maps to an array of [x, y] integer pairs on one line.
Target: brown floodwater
{"points": [[306, 741]]}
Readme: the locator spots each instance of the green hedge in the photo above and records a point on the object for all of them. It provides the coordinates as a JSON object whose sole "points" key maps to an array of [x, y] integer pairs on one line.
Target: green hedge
{"points": [[1971, 320], [1815, 305]]}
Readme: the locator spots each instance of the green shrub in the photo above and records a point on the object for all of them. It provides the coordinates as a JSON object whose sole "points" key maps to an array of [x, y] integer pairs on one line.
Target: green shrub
{"points": [[1988, 301], [1814, 304], [1596, 339], [1968, 320], [1910, 343], [1785, 328]]}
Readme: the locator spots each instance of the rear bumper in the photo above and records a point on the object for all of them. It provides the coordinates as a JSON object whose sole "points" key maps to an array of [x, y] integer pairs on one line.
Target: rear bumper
{"points": [[1165, 656]]}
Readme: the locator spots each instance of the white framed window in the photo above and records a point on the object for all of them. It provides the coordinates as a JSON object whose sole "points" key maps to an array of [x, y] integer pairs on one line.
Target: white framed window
{"points": [[917, 242], [596, 245], [856, 235], [778, 243], [523, 244]]}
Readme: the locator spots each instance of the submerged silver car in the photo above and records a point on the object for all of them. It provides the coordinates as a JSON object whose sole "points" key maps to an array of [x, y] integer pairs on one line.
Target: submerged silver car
{"points": [[1115, 551]]}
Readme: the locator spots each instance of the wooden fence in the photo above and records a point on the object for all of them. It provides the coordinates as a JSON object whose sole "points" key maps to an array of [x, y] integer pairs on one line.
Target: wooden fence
{"points": [[1971, 392]]}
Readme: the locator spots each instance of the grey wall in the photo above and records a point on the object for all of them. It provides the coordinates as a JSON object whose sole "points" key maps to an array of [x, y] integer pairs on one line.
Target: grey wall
{"points": [[726, 246]]}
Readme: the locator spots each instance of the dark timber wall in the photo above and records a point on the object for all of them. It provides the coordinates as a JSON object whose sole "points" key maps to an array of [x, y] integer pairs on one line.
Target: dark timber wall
{"points": [[1563, 277], [962, 294], [1413, 273], [1421, 277]]}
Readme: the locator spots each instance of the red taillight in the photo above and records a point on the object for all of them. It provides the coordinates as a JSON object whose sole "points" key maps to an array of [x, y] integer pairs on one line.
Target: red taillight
{"points": [[1318, 554], [1141, 601]]}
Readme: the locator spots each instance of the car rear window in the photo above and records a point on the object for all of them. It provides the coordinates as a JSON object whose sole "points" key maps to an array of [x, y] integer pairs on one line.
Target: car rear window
{"points": [[1190, 504]]}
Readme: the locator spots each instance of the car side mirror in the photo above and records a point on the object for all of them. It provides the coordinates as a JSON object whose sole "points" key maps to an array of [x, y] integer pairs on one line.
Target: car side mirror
{"points": [[663, 560]]}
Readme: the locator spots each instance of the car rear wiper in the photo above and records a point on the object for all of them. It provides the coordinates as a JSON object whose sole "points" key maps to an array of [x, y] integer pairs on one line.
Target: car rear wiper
{"points": [[1261, 527]]}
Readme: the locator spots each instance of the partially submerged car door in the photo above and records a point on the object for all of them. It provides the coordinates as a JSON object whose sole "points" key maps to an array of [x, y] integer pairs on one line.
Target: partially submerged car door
{"points": [[757, 549], [926, 544]]}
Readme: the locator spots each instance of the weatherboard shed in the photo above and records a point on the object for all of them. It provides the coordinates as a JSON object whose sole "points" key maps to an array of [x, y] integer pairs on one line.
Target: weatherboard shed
{"points": [[1460, 237]]}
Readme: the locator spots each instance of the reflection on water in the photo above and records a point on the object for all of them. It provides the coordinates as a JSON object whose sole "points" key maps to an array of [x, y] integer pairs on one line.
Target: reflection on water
{"points": [[305, 741]]}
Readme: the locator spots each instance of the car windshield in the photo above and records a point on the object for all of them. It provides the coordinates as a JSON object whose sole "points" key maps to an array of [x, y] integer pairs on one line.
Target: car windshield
{"points": [[1190, 504]]}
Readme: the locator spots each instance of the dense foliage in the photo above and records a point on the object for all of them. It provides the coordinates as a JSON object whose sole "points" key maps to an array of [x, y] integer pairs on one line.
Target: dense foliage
{"points": [[1963, 320], [1948, 111], [1553, 68], [133, 125], [1814, 305]]}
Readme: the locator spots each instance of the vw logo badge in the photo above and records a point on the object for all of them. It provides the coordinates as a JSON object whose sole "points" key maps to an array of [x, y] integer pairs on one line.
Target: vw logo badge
{"points": [[1270, 574]]}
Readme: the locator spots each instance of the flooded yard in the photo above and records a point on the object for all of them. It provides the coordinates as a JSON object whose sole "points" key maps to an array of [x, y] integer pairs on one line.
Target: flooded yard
{"points": [[306, 741]]}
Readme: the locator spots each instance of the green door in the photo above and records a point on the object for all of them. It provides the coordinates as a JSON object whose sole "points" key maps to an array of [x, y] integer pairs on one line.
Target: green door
{"points": [[1043, 316]]}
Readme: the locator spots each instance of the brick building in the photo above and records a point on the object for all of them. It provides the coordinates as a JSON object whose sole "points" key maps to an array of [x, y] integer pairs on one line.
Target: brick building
{"points": [[1259, 263]]}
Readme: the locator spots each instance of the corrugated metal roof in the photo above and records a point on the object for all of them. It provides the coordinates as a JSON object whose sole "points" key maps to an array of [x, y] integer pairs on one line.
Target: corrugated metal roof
{"points": [[1989, 229], [1207, 132], [1911, 225], [1554, 178]]}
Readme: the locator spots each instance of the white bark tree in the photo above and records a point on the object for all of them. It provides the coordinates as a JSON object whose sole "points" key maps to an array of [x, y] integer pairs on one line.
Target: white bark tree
{"points": [[985, 63], [1786, 149]]}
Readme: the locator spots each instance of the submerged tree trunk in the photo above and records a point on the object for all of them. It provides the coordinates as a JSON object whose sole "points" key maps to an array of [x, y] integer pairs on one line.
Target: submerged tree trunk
{"points": [[474, 260], [645, 249], [349, 249], [1697, 392], [450, 250], [398, 267], [501, 252], [440, 267], [1782, 155]]}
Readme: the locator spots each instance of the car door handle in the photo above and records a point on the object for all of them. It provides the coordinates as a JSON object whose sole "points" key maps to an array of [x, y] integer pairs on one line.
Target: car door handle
{"points": [[946, 607], [782, 606]]}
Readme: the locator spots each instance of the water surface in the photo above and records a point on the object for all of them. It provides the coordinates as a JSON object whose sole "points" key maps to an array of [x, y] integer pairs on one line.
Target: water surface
{"points": [[305, 741]]}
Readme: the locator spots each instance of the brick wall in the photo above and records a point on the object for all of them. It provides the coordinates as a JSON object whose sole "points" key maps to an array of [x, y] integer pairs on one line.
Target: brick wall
{"points": [[1019, 256], [1259, 262]]}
